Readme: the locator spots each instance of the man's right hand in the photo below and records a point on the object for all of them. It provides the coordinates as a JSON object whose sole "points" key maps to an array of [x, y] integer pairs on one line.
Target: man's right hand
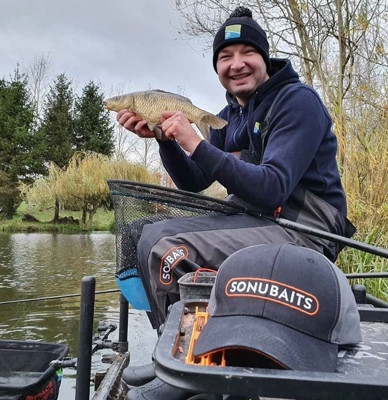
{"points": [[134, 123]]}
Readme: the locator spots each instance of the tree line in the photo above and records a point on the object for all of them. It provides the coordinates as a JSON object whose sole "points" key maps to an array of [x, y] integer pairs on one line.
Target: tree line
{"points": [[34, 136]]}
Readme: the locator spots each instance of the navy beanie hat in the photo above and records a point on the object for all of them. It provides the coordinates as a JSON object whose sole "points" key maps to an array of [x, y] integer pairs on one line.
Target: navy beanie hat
{"points": [[241, 28]]}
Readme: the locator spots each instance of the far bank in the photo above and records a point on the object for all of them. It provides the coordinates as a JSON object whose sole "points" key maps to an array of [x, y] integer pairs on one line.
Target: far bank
{"points": [[34, 219]]}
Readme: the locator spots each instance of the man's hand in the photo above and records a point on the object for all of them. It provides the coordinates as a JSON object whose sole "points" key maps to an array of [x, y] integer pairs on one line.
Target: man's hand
{"points": [[135, 124], [175, 125]]}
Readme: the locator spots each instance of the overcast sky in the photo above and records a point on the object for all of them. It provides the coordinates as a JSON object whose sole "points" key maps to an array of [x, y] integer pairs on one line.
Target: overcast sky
{"points": [[127, 44]]}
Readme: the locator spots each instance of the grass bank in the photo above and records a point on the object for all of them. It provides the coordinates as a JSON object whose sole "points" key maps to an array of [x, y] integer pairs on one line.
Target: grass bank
{"points": [[103, 220]]}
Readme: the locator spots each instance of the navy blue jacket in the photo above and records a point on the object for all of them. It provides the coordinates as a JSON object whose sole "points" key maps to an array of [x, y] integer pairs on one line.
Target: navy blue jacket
{"points": [[301, 147]]}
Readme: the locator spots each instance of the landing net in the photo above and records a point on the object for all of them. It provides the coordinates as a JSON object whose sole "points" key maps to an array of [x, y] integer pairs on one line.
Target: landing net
{"points": [[136, 204]]}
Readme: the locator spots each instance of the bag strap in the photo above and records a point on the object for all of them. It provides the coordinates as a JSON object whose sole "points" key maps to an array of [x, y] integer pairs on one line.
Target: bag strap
{"points": [[264, 125]]}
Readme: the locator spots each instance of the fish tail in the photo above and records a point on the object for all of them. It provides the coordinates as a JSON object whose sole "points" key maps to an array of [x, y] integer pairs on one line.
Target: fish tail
{"points": [[210, 120]]}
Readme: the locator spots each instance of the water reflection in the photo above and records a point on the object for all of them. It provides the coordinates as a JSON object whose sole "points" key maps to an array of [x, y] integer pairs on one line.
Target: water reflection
{"points": [[39, 265]]}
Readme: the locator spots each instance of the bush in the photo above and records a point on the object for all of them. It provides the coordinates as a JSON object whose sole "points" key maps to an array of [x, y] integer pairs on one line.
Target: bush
{"points": [[9, 196]]}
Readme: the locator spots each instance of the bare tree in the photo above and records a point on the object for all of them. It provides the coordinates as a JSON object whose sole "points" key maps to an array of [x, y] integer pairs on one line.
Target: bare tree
{"points": [[38, 74], [130, 147], [338, 46], [143, 151], [325, 38]]}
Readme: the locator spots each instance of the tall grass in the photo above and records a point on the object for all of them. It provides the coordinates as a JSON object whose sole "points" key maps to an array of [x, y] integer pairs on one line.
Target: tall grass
{"points": [[365, 177]]}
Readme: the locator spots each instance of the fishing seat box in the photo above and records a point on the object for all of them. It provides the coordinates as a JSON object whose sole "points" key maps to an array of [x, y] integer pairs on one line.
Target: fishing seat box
{"points": [[362, 370], [25, 370]]}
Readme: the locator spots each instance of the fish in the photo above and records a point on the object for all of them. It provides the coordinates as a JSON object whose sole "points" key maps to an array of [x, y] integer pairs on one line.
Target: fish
{"points": [[150, 104]]}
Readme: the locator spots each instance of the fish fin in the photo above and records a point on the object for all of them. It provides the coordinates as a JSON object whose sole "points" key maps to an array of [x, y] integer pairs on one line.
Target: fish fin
{"points": [[151, 125], [158, 132], [154, 127], [204, 129], [213, 121], [183, 98]]}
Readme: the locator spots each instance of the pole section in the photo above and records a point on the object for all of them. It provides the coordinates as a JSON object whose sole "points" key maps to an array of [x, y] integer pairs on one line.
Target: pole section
{"points": [[85, 339]]}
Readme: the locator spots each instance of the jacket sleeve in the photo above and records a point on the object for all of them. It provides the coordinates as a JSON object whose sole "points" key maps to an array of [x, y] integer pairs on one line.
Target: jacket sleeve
{"points": [[298, 125], [186, 173]]}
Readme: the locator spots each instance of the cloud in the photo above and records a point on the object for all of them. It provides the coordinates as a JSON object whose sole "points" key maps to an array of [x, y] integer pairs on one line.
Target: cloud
{"points": [[131, 44]]}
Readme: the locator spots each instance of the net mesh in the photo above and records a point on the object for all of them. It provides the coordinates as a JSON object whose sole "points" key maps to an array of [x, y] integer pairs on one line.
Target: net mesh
{"points": [[136, 204]]}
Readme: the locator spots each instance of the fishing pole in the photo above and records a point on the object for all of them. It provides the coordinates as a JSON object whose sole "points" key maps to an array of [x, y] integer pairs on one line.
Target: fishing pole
{"points": [[64, 296], [285, 223], [366, 275]]}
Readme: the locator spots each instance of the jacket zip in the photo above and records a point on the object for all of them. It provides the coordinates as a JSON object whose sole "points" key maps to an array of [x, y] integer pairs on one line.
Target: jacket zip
{"points": [[239, 126]]}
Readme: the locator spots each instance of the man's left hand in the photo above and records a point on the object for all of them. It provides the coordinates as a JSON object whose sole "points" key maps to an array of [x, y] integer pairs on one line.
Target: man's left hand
{"points": [[175, 125]]}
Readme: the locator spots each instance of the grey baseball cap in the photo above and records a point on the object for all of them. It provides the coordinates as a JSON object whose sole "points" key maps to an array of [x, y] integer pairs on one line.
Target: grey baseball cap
{"points": [[288, 303]]}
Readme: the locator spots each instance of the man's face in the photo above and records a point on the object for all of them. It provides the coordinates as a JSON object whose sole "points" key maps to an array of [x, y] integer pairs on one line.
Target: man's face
{"points": [[241, 70]]}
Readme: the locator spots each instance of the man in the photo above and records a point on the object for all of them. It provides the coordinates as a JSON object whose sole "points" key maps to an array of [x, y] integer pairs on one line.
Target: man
{"points": [[277, 154]]}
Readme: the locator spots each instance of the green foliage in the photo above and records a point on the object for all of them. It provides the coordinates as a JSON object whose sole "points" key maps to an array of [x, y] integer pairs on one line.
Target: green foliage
{"points": [[20, 146], [92, 128], [57, 125], [9, 196]]}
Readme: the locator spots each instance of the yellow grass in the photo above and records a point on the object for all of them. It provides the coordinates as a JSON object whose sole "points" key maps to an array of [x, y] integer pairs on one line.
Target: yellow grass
{"points": [[365, 178]]}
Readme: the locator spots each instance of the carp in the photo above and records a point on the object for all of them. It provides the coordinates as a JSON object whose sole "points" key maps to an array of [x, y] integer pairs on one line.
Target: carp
{"points": [[150, 104]]}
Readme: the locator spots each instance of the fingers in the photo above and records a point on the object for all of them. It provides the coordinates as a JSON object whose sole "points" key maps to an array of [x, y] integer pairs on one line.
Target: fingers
{"points": [[131, 123], [127, 119], [121, 113], [140, 126], [172, 118], [177, 126], [168, 114], [134, 123]]}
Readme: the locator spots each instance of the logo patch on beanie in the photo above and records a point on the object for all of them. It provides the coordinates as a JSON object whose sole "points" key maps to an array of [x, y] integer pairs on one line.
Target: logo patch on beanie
{"points": [[274, 291], [232, 32], [169, 261]]}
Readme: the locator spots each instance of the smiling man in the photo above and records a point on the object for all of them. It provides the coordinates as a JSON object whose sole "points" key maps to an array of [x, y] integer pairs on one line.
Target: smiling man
{"points": [[276, 154], [241, 70]]}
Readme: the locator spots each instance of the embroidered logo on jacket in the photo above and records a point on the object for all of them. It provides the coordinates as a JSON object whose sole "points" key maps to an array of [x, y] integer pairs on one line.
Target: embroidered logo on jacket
{"points": [[232, 32], [274, 291], [256, 129], [169, 261]]}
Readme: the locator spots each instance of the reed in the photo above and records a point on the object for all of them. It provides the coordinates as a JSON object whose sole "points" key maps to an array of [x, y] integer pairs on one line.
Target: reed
{"points": [[365, 177]]}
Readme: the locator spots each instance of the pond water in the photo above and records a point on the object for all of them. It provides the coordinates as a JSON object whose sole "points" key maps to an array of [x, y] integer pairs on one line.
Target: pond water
{"points": [[34, 265]]}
